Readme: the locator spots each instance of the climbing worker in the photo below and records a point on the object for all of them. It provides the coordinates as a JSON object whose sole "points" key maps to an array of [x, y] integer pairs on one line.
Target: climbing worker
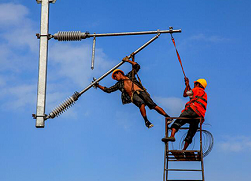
{"points": [[194, 108], [133, 91]]}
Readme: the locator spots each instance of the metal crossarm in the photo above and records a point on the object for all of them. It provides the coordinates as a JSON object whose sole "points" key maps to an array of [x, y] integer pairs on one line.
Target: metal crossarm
{"points": [[78, 35]]}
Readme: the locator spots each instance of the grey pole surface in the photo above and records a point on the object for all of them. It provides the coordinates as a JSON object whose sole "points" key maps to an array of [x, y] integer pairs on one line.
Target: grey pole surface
{"points": [[43, 56]]}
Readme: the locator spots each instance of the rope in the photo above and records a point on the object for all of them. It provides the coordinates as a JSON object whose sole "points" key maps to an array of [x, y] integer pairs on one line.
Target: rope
{"points": [[178, 55]]}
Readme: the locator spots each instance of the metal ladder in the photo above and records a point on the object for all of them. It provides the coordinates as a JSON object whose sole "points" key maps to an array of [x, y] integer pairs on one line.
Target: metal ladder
{"points": [[182, 156]]}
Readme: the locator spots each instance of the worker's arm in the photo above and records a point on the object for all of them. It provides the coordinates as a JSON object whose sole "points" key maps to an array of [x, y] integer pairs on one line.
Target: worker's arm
{"points": [[187, 91], [99, 86], [126, 59], [110, 89], [135, 65]]}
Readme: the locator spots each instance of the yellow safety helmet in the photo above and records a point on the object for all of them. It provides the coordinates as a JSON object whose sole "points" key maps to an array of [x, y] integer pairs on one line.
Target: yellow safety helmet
{"points": [[115, 71], [202, 82]]}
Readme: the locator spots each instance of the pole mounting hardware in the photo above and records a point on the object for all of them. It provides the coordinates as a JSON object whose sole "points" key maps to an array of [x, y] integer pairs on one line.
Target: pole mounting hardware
{"points": [[50, 1], [38, 35], [43, 116]]}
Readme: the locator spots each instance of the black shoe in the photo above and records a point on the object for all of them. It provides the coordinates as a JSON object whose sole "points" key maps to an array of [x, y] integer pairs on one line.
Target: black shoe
{"points": [[172, 139], [148, 124], [168, 121]]}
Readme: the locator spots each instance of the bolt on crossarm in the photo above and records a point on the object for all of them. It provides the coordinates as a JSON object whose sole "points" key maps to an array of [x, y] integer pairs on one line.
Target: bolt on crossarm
{"points": [[43, 56]]}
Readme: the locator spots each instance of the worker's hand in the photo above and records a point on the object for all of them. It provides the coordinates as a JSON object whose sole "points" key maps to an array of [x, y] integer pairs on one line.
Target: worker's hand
{"points": [[125, 59], [96, 85], [186, 81]]}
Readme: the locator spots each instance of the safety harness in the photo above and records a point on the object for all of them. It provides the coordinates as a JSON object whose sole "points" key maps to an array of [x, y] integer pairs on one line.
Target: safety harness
{"points": [[137, 80], [196, 99]]}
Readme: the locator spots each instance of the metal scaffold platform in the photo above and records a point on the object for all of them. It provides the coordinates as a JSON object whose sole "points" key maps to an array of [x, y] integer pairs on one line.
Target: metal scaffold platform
{"points": [[181, 156]]}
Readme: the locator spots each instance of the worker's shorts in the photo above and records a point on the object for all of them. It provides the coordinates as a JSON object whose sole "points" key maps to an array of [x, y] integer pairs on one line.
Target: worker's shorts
{"points": [[193, 124], [141, 97]]}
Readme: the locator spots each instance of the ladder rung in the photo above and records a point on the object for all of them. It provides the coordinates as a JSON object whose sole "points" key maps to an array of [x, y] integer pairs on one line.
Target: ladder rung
{"points": [[183, 155], [183, 170], [184, 151]]}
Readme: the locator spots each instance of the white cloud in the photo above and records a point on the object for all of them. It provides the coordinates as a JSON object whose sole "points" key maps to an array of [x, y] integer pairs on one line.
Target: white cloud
{"points": [[74, 63], [172, 105], [18, 29], [12, 14], [235, 144], [18, 96], [213, 39]]}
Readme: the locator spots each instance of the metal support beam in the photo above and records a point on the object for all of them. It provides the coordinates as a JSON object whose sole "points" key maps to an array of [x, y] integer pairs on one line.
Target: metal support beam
{"points": [[78, 35], [43, 56]]}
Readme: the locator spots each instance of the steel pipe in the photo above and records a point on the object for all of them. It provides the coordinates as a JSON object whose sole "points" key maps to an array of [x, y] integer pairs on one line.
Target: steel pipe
{"points": [[93, 52], [77, 35]]}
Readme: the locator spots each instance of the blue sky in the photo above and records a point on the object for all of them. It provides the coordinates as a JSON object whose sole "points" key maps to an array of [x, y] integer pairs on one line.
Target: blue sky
{"points": [[99, 138]]}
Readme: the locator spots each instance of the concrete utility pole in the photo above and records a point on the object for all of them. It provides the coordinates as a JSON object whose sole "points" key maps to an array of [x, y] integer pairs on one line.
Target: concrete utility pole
{"points": [[43, 56]]}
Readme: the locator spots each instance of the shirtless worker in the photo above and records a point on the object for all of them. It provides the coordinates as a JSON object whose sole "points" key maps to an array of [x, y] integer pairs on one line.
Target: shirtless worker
{"points": [[133, 91], [194, 108]]}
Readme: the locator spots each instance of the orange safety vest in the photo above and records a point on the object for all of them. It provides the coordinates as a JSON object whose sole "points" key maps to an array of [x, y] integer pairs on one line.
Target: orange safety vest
{"points": [[199, 102]]}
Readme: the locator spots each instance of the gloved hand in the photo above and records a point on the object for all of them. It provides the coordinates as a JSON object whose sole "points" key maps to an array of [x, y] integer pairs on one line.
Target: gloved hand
{"points": [[186, 81]]}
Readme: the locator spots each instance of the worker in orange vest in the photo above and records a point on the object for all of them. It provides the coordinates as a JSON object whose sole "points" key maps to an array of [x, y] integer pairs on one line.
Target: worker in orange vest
{"points": [[133, 91], [194, 108]]}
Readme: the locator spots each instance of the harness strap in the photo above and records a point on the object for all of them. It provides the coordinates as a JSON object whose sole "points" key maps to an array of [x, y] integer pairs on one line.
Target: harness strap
{"points": [[201, 104], [199, 97], [196, 100]]}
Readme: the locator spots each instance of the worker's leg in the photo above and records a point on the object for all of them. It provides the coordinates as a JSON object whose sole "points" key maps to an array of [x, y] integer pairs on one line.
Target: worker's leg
{"points": [[176, 126], [173, 132], [191, 132], [185, 145], [143, 113], [140, 104], [143, 110], [149, 102], [161, 111]]}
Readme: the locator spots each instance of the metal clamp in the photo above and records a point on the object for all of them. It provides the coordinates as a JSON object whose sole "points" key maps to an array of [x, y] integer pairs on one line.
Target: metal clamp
{"points": [[39, 35], [50, 1], [35, 116]]}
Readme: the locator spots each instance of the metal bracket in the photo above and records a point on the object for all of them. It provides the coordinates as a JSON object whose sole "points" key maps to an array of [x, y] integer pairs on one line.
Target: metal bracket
{"points": [[50, 1], [39, 35], [36, 116]]}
